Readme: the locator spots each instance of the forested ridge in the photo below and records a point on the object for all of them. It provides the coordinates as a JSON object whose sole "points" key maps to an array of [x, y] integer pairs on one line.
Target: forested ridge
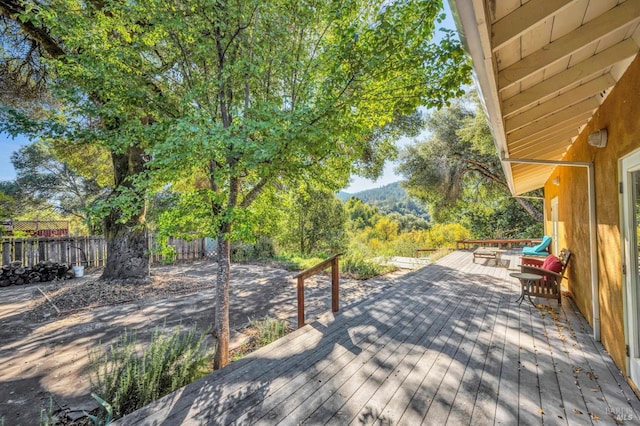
{"points": [[390, 198]]}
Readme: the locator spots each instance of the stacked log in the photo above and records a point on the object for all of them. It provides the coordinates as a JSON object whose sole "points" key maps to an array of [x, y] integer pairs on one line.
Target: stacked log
{"points": [[16, 274]]}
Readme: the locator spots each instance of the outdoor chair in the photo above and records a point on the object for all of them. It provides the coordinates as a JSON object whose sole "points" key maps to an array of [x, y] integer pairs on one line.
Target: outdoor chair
{"points": [[552, 271], [540, 249]]}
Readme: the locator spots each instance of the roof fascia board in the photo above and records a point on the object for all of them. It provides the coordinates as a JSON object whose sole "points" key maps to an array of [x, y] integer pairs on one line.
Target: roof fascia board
{"points": [[472, 22]]}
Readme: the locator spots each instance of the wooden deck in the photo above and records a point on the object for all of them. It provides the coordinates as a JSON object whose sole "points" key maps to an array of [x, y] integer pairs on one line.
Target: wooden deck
{"points": [[446, 346]]}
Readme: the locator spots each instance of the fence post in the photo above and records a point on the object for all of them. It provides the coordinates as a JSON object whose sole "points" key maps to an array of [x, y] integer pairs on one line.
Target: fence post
{"points": [[335, 279], [300, 302], [6, 252]]}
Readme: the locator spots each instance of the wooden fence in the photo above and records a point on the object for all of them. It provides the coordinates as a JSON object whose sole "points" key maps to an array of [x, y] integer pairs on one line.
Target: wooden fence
{"points": [[87, 251]]}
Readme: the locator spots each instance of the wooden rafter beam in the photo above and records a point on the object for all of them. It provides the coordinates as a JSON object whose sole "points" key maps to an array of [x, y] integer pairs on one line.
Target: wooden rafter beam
{"points": [[563, 47], [576, 113], [542, 135], [593, 65], [555, 135], [582, 107], [546, 152], [564, 134], [532, 170], [520, 20], [591, 88]]}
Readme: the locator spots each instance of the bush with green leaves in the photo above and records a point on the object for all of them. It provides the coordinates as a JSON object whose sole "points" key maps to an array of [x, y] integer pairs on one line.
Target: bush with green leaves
{"points": [[128, 379], [361, 269], [267, 330], [262, 249]]}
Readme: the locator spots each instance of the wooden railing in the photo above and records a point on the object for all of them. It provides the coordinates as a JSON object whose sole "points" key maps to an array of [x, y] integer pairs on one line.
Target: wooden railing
{"points": [[423, 250], [335, 290], [465, 244], [87, 251]]}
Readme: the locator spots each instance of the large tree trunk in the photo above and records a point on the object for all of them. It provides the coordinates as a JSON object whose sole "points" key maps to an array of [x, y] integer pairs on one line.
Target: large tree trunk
{"points": [[127, 251], [127, 243]]}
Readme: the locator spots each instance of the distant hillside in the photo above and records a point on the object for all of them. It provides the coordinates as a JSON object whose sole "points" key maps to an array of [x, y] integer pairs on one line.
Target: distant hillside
{"points": [[389, 198]]}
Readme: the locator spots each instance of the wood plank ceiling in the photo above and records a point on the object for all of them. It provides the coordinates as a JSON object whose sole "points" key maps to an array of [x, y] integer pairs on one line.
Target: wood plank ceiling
{"points": [[544, 67]]}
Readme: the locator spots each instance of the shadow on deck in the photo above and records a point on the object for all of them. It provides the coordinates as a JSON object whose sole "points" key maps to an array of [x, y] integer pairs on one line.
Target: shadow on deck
{"points": [[447, 345]]}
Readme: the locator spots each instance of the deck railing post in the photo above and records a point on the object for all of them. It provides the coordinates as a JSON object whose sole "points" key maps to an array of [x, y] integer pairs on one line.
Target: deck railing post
{"points": [[300, 302], [335, 284], [335, 290]]}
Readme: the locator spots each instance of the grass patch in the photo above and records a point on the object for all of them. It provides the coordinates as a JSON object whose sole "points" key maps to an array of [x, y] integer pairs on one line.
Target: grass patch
{"points": [[128, 379], [263, 332]]}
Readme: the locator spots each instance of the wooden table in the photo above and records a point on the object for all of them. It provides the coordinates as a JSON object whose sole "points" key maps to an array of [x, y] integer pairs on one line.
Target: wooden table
{"points": [[489, 253], [499, 262], [525, 282]]}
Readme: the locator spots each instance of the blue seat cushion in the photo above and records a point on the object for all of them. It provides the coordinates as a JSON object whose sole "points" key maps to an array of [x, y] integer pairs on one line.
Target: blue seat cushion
{"points": [[540, 248]]}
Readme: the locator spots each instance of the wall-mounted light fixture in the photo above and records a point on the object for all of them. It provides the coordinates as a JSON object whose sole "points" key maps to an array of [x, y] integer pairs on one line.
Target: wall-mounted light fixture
{"points": [[598, 138], [556, 181]]}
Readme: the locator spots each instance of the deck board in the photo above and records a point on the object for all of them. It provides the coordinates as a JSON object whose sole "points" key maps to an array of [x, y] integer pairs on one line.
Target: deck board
{"points": [[447, 344]]}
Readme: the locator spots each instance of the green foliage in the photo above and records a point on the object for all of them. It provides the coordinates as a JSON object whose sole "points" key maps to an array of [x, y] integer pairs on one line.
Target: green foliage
{"points": [[506, 220], [47, 416], [263, 249], [269, 330], [248, 95], [315, 223], [391, 198], [405, 243], [359, 268], [458, 174], [97, 421], [295, 262], [266, 331], [128, 380], [361, 215], [8, 208], [166, 251]]}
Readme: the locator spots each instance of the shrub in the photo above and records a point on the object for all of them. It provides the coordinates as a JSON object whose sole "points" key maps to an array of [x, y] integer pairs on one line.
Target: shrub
{"points": [[128, 380], [294, 262], [263, 249], [267, 330], [361, 269]]}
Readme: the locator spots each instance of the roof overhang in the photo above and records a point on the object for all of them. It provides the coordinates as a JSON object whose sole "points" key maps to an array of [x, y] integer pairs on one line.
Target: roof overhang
{"points": [[543, 68]]}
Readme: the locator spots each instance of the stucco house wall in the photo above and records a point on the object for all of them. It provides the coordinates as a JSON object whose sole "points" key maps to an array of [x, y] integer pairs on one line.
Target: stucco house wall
{"points": [[620, 114]]}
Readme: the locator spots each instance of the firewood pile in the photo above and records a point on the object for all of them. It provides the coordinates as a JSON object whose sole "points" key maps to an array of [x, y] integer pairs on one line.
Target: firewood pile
{"points": [[16, 274]]}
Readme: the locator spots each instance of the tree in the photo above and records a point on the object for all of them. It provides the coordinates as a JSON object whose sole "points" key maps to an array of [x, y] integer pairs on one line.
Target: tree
{"points": [[361, 214], [44, 177], [64, 82], [385, 229], [274, 93], [315, 223], [8, 202], [242, 95], [456, 170]]}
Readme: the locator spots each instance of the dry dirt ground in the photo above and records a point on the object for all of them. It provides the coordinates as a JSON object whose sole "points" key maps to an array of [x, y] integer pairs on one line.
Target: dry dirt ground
{"points": [[45, 341]]}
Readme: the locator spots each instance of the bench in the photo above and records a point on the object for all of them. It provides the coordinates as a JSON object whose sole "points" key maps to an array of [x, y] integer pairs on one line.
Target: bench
{"points": [[549, 286], [484, 253]]}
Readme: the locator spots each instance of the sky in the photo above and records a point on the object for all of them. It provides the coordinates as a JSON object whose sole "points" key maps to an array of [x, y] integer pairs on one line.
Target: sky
{"points": [[9, 145]]}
